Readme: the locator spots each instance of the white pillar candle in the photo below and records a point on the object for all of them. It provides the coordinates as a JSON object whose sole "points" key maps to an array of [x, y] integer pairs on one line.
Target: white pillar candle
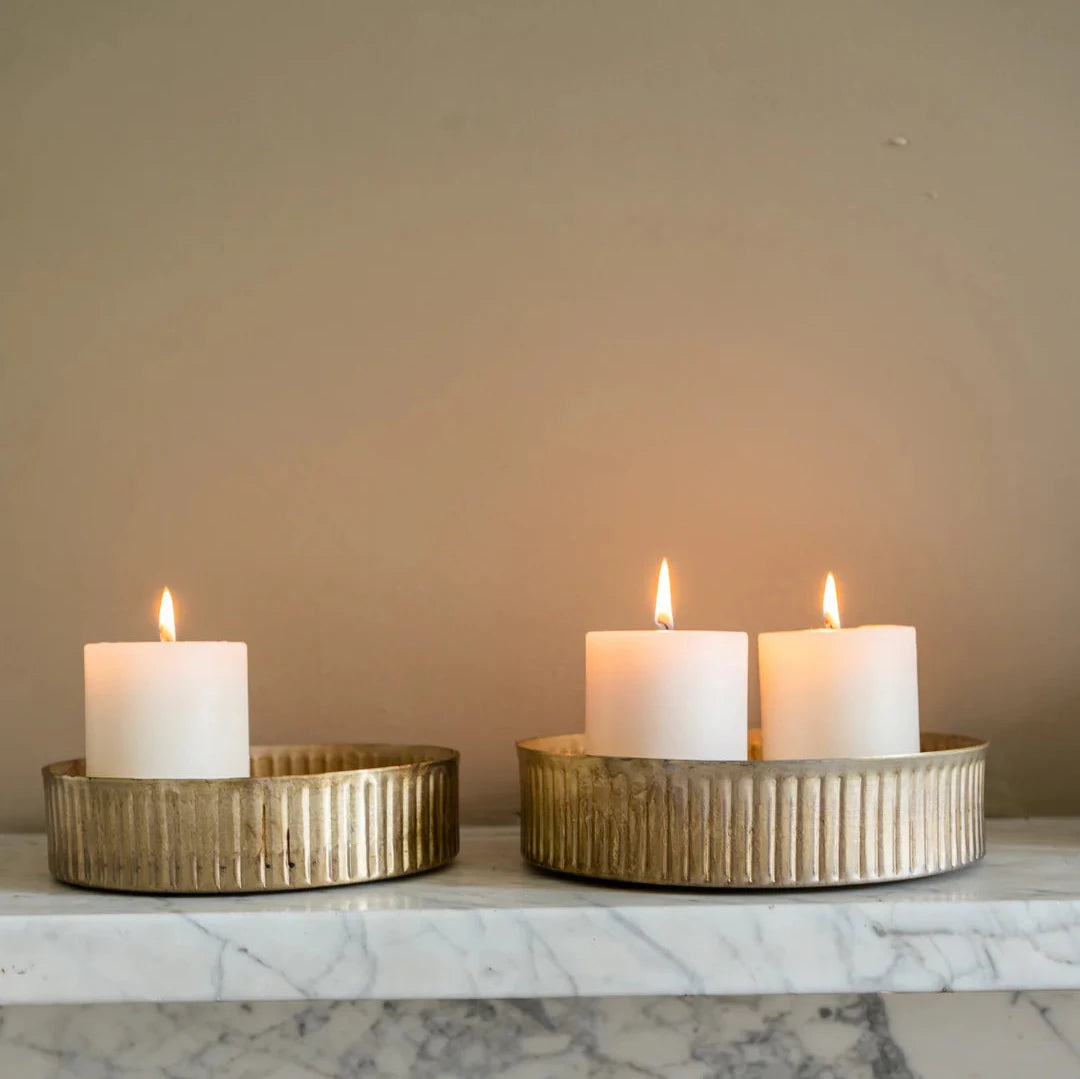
{"points": [[167, 709], [679, 695], [838, 692]]}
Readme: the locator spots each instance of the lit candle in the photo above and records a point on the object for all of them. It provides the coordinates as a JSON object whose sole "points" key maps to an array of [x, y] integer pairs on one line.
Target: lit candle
{"points": [[679, 695], [167, 709], [836, 692]]}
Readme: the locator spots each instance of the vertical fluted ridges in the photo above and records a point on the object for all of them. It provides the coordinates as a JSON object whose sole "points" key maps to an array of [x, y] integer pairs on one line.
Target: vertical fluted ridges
{"points": [[755, 824], [309, 816]]}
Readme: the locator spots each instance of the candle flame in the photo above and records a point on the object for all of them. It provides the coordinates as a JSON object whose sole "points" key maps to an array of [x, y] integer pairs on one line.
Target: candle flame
{"points": [[665, 616], [167, 618], [831, 606]]}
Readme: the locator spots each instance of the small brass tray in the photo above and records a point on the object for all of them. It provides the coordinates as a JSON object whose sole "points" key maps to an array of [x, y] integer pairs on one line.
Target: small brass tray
{"points": [[752, 824], [309, 816]]}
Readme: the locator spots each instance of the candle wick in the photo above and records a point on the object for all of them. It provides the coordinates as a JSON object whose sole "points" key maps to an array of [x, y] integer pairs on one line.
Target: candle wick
{"points": [[663, 623], [830, 622]]}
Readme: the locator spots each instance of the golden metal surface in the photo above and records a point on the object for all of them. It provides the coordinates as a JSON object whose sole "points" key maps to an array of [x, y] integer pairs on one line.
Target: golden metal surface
{"points": [[752, 824], [309, 816]]}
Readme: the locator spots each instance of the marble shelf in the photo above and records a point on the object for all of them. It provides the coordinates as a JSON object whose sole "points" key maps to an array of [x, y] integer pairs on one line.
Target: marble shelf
{"points": [[491, 927]]}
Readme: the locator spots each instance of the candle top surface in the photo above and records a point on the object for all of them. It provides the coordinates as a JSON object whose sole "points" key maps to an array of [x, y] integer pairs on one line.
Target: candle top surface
{"points": [[160, 644], [827, 632], [672, 635]]}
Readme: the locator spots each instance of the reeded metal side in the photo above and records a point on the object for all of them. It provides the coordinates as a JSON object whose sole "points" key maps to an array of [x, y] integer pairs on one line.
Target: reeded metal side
{"points": [[753, 824], [309, 816]]}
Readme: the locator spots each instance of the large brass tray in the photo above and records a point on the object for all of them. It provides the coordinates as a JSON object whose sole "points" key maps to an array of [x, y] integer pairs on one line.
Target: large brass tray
{"points": [[752, 824]]}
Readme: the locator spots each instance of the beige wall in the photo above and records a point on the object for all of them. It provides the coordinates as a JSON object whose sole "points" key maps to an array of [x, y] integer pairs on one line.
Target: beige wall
{"points": [[402, 340]]}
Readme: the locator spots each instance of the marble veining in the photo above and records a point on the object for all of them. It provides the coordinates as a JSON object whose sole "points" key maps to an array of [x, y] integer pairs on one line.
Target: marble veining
{"points": [[867, 1036], [491, 927]]}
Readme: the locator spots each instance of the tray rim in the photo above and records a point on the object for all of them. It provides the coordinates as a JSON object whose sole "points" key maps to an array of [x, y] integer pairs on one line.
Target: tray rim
{"points": [[539, 744], [59, 771]]}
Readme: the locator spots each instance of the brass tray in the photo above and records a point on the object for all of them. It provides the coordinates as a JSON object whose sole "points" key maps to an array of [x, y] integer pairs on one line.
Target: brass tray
{"points": [[752, 824], [309, 816]]}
